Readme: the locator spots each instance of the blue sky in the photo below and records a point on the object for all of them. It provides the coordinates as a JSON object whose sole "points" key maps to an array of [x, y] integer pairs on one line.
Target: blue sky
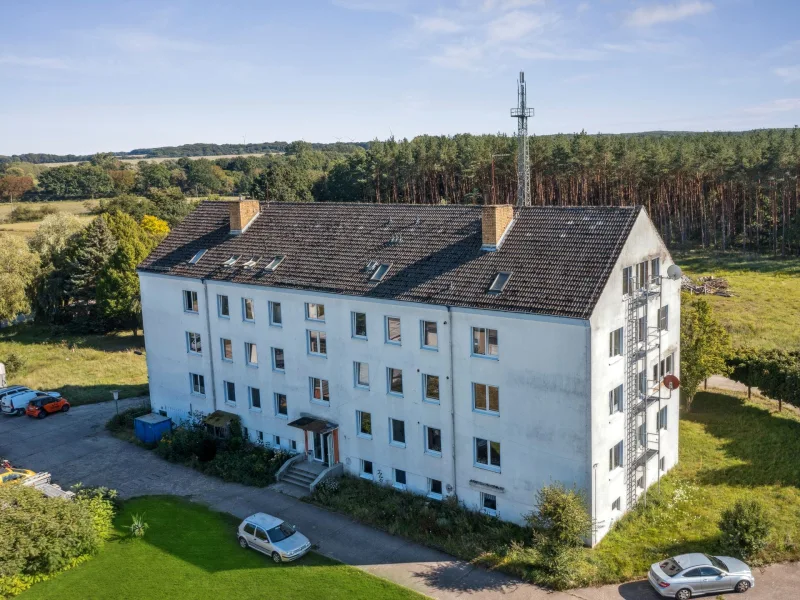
{"points": [[81, 77]]}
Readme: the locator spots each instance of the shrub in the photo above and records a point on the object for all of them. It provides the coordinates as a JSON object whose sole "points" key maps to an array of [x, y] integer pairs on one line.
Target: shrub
{"points": [[745, 528], [232, 459], [560, 519], [124, 420], [102, 504], [25, 213], [138, 526], [14, 363], [42, 535]]}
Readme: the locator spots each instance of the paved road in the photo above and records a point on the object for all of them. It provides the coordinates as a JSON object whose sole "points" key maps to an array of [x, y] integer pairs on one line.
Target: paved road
{"points": [[74, 447]]}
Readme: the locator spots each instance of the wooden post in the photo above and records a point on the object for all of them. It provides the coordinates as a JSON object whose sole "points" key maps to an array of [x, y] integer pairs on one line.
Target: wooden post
{"points": [[749, 392], [705, 384]]}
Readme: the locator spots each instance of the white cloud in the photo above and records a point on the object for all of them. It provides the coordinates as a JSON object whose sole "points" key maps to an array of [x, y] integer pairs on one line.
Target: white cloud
{"points": [[372, 5], [788, 74], [514, 25], [504, 5], [468, 57], [583, 7], [438, 25], [37, 62], [775, 106], [646, 16]]}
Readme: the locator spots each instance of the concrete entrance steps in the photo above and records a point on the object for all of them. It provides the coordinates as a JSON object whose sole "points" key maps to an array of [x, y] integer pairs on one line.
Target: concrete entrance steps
{"points": [[303, 473]]}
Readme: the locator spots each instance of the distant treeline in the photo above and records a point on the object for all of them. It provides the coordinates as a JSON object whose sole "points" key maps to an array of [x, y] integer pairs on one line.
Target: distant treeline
{"points": [[720, 190], [181, 151]]}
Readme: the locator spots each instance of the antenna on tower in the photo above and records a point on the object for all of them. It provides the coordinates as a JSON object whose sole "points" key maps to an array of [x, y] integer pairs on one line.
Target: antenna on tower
{"points": [[521, 114]]}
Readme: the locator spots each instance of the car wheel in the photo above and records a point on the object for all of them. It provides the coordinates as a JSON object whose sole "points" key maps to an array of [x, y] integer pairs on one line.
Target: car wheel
{"points": [[276, 557], [243, 543], [21, 411], [683, 594], [65, 408], [742, 586], [42, 414]]}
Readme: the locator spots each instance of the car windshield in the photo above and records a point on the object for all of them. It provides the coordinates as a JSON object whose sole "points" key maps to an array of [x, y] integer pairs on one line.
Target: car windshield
{"points": [[281, 532], [717, 562], [670, 567]]}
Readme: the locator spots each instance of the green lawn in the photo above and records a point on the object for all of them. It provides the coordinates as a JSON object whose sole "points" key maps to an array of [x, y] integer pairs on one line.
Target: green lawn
{"points": [[765, 311], [190, 552], [83, 368], [729, 449]]}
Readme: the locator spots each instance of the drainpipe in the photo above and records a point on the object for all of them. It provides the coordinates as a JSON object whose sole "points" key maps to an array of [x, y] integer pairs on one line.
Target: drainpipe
{"points": [[210, 345], [452, 396]]}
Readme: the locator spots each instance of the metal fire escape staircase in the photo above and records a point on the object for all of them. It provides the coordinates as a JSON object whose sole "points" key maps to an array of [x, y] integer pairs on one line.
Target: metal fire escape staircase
{"points": [[638, 349]]}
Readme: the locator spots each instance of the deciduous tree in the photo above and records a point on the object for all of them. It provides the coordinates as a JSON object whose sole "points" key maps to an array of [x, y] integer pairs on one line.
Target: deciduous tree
{"points": [[705, 346], [13, 186], [18, 269]]}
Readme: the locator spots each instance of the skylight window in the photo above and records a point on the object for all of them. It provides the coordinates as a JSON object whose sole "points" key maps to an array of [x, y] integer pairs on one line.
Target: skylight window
{"points": [[194, 260], [499, 283], [232, 260], [252, 262], [275, 262], [380, 272]]}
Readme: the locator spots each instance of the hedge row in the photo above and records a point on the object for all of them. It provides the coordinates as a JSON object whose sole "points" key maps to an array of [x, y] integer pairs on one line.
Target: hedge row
{"points": [[775, 372]]}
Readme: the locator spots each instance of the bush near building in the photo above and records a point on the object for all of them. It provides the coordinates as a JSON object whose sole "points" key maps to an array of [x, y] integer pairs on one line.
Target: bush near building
{"points": [[231, 459], [42, 536]]}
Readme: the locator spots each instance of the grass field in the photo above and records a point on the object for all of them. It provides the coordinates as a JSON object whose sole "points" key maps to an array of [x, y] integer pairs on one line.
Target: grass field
{"points": [[765, 311], [729, 449], [75, 207], [190, 552], [83, 368]]}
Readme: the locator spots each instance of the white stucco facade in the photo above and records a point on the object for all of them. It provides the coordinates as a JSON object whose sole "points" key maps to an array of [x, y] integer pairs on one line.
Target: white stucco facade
{"points": [[553, 377]]}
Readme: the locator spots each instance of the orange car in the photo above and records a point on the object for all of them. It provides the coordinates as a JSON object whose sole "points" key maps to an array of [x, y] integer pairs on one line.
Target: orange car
{"points": [[43, 405]]}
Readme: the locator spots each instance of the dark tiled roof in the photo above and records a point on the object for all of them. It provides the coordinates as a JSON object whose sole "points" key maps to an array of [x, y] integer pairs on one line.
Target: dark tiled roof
{"points": [[559, 257]]}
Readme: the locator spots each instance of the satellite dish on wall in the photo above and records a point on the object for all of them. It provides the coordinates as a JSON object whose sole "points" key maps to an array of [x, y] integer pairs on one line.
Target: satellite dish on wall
{"points": [[671, 382], [674, 272]]}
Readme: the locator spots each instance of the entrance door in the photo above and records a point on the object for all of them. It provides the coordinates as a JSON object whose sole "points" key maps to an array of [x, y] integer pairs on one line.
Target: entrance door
{"points": [[319, 447], [322, 447]]}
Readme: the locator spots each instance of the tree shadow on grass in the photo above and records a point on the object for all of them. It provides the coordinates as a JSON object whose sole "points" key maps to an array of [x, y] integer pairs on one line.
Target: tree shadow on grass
{"points": [[198, 535], [78, 395], [31, 334], [460, 577], [766, 443]]}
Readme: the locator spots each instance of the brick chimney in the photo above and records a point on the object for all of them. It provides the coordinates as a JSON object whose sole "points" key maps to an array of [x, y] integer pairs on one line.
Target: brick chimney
{"points": [[495, 223], [243, 213]]}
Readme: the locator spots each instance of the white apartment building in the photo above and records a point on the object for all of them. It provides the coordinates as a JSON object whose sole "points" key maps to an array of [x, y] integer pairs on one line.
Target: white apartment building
{"points": [[477, 351]]}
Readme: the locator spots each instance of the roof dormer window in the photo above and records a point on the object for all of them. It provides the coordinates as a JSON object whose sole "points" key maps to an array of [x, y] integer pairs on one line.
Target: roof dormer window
{"points": [[252, 262], [232, 260], [196, 258], [275, 262], [499, 283], [380, 272]]}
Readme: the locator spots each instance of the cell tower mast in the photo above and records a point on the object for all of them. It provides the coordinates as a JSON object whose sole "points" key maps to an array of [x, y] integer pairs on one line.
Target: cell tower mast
{"points": [[521, 114]]}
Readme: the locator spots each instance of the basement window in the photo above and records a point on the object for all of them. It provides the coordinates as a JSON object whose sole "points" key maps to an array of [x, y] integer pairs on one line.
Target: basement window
{"points": [[232, 260], [196, 258], [499, 283], [275, 262], [380, 272], [252, 262]]}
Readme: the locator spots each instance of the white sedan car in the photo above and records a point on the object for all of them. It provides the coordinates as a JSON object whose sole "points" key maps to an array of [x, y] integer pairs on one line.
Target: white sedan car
{"points": [[272, 536], [696, 574]]}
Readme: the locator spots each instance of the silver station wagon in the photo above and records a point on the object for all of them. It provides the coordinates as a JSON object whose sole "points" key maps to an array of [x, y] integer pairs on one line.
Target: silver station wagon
{"points": [[695, 574], [272, 536]]}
